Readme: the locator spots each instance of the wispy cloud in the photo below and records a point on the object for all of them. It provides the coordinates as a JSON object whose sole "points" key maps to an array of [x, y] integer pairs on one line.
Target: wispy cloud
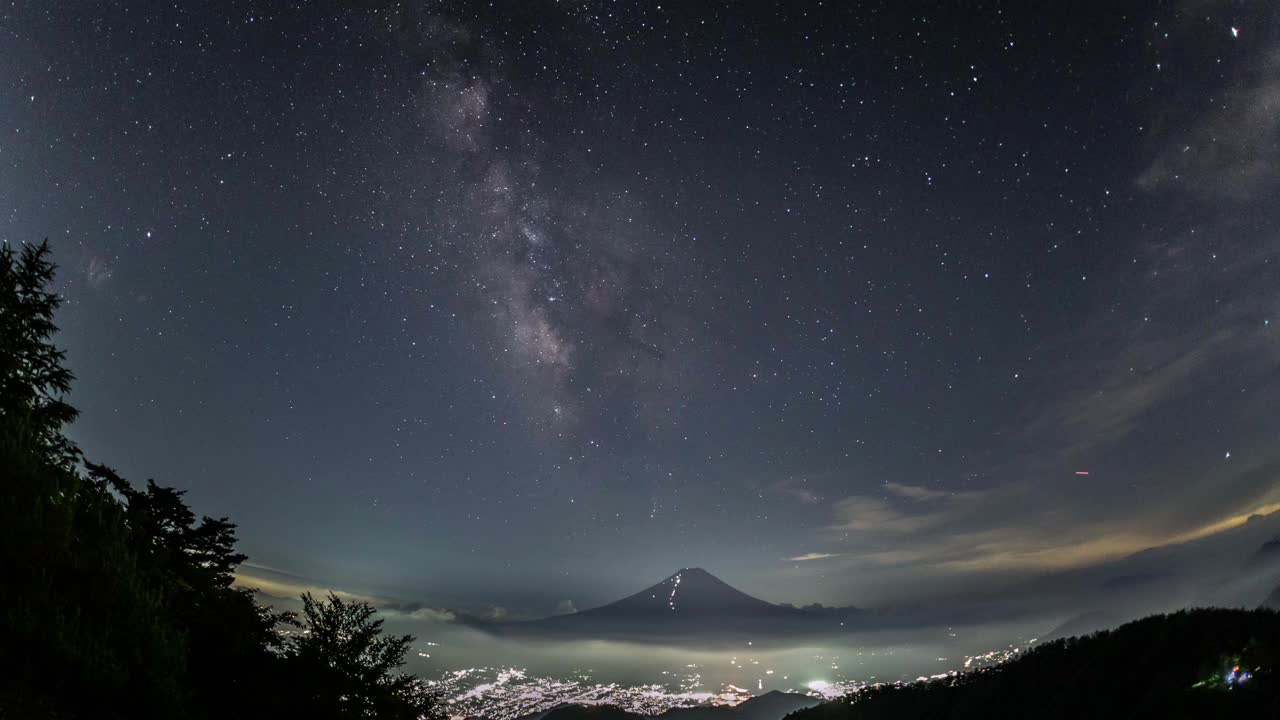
{"points": [[1138, 379], [98, 272], [1228, 148], [917, 492], [866, 514], [985, 537], [1176, 367], [282, 585], [905, 509], [812, 556], [291, 589], [1232, 151], [1017, 549], [798, 488]]}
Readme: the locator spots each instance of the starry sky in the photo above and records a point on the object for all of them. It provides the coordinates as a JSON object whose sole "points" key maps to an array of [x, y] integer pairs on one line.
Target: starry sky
{"points": [[523, 303]]}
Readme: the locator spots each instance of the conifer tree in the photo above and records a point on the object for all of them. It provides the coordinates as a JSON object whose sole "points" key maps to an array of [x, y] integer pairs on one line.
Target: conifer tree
{"points": [[33, 379]]}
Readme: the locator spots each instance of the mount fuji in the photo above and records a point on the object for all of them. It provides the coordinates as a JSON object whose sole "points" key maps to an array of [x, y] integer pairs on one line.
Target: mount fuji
{"points": [[689, 605], [690, 592]]}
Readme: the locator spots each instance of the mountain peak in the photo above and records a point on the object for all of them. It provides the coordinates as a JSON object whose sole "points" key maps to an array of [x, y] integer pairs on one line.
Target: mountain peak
{"points": [[688, 591]]}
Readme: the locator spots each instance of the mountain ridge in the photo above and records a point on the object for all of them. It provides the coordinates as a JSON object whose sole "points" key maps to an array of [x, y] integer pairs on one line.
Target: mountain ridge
{"points": [[773, 705], [1182, 665]]}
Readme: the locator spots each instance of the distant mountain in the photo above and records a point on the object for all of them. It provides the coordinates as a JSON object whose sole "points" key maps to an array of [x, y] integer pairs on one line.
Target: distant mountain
{"points": [[691, 592], [1262, 573], [591, 712], [773, 705], [1266, 556], [541, 714], [1239, 567], [1191, 664], [690, 605], [1130, 581], [1084, 624]]}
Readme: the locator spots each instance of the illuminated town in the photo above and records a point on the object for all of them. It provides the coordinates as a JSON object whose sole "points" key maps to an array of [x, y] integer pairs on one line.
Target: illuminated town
{"points": [[497, 693]]}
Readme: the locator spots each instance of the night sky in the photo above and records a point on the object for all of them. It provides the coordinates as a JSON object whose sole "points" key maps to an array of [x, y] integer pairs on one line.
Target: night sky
{"points": [[518, 303]]}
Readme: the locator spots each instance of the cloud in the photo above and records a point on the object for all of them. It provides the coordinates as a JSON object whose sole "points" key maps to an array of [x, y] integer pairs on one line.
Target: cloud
{"points": [[1173, 362], [290, 589], [862, 513], [926, 508], [797, 487], [415, 610], [1141, 377], [98, 272], [1232, 149], [1229, 154], [430, 614], [1017, 549], [1034, 516], [812, 556], [282, 585], [916, 492], [987, 536], [565, 607], [496, 613], [1028, 526]]}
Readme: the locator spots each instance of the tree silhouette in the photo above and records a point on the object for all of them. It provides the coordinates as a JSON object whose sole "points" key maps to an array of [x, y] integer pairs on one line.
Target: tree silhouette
{"points": [[32, 376], [353, 666], [79, 618], [232, 644], [117, 602]]}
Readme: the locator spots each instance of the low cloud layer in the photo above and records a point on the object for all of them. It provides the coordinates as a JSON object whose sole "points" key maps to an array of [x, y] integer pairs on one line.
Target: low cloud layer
{"points": [[286, 588]]}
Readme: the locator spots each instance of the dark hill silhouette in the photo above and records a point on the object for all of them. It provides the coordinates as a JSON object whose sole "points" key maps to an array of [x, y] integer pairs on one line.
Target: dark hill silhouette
{"points": [[773, 705], [1266, 556], [591, 712], [539, 715], [1083, 624], [1164, 666], [1263, 571]]}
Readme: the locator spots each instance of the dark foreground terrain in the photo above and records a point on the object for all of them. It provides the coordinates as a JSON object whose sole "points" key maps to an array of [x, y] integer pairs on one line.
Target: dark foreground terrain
{"points": [[1192, 664], [772, 705], [1205, 663]]}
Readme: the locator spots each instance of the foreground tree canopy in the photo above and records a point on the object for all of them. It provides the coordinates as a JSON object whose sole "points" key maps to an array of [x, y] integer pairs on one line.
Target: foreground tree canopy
{"points": [[119, 601]]}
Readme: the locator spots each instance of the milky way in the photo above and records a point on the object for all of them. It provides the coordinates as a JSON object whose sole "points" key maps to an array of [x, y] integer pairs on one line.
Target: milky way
{"points": [[581, 292]]}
